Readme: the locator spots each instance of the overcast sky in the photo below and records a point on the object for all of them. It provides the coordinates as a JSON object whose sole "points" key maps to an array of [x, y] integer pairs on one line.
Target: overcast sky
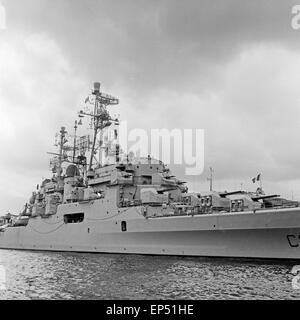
{"points": [[229, 67]]}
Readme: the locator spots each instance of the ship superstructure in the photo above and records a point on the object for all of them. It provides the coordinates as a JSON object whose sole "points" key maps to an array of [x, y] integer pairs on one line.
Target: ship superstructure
{"points": [[102, 200]]}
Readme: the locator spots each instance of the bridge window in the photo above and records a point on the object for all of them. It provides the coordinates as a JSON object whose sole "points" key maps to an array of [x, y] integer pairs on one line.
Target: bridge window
{"points": [[73, 218]]}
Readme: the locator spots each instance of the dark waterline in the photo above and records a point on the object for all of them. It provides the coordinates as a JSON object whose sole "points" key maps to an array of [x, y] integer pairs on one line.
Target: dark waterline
{"points": [[62, 275]]}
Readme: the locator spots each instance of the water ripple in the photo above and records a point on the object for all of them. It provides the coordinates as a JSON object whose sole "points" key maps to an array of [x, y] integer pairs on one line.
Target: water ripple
{"points": [[52, 275]]}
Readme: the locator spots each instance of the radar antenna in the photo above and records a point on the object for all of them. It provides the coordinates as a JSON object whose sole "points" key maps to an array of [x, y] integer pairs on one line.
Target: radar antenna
{"points": [[100, 118]]}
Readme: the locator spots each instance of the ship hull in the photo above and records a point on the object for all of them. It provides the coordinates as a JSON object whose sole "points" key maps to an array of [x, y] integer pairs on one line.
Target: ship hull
{"points": [[259, 244], [267, 234]]}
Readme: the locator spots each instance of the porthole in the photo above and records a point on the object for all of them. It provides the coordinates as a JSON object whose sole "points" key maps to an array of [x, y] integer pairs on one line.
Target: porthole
{"points": [[124, 226]]}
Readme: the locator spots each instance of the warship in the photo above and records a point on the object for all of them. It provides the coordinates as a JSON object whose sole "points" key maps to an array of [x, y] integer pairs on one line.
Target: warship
{"points": [[101, 200]]}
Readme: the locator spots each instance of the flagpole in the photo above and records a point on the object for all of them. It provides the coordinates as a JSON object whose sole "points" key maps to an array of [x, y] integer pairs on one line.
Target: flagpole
{"points": [[260, 181], [210, 179]]}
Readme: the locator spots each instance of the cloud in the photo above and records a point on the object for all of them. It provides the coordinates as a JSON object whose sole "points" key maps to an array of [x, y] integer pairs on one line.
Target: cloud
{"points": [[251, 119], [147, 45], [229, 67], [39, 93]]}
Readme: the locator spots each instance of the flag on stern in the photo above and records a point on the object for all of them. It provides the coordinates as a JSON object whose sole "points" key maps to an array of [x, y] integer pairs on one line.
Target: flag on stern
{"points": [[256, 178]]}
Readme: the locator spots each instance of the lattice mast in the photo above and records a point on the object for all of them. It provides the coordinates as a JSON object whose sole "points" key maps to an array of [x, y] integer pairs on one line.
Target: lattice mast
{"points": [[100, 119]]}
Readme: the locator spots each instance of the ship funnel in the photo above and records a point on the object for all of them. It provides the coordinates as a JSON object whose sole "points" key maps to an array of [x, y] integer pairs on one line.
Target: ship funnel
{"points": [[97, 87]]}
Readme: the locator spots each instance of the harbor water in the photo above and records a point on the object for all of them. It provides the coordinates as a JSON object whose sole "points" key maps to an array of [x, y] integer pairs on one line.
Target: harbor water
{"points": [[58, 275]]}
